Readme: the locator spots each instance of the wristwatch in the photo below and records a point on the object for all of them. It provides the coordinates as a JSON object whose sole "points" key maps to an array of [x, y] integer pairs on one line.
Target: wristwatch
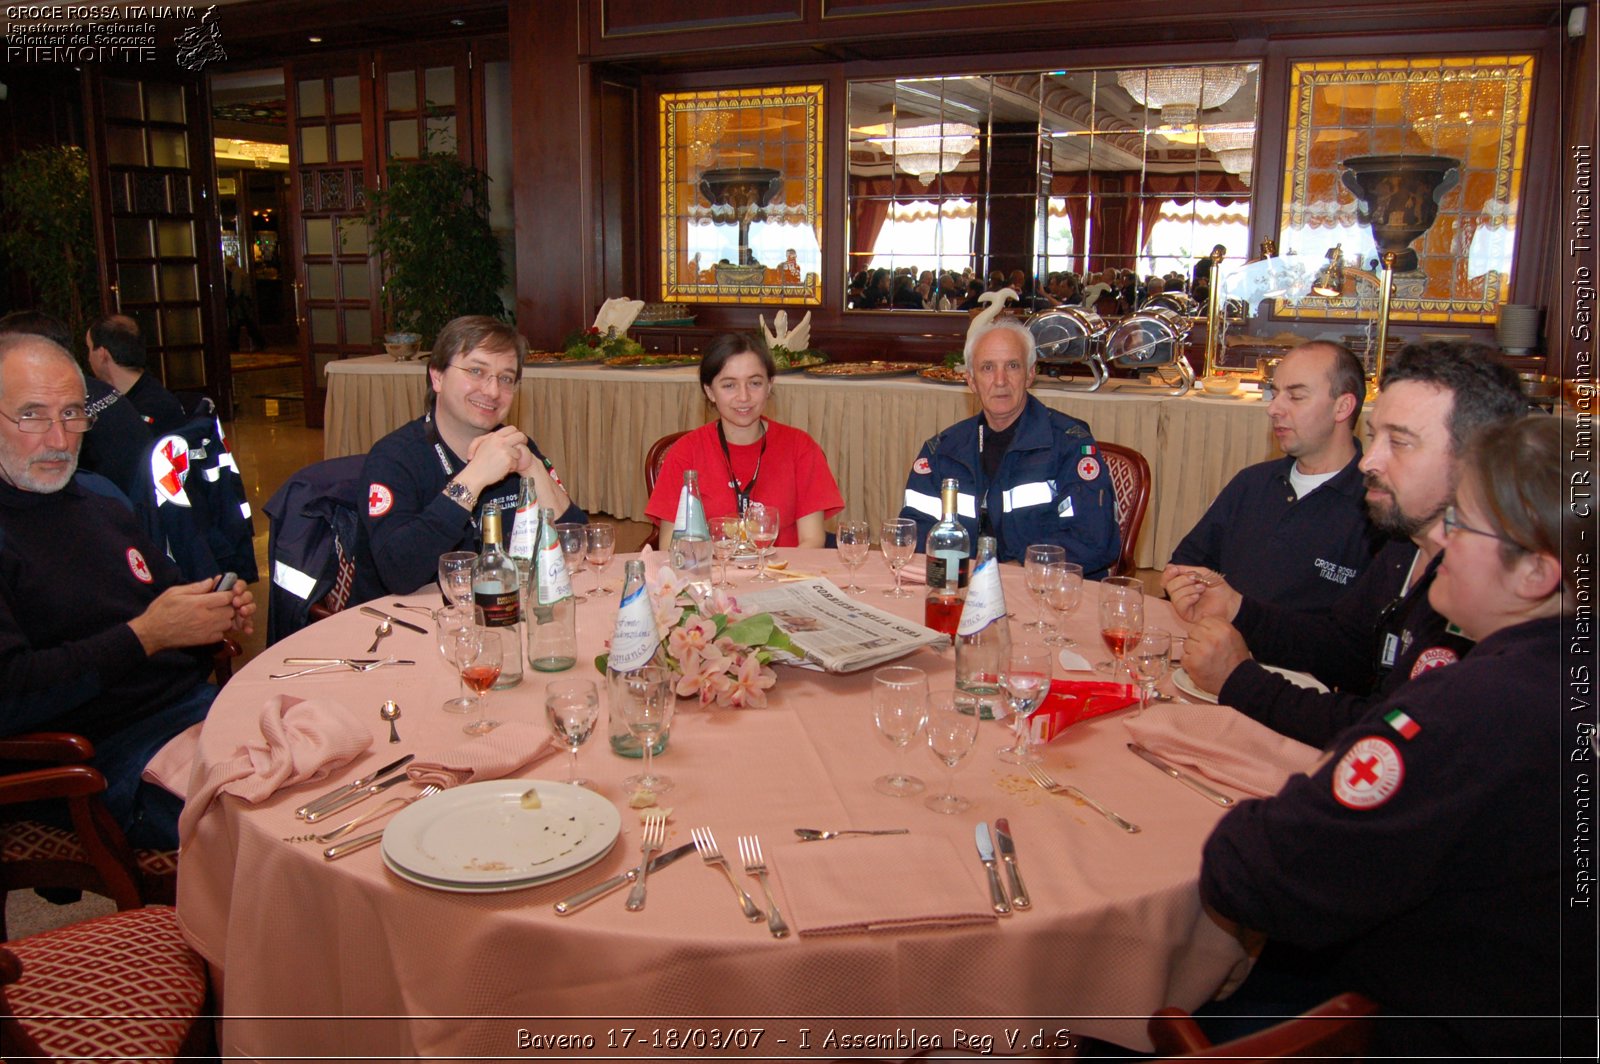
{"points": [[461, 494]]}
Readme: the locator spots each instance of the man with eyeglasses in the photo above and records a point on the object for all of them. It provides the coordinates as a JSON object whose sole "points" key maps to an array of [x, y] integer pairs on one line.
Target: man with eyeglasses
{"points": [[98, 633], [1382, 632], [428, 481]]}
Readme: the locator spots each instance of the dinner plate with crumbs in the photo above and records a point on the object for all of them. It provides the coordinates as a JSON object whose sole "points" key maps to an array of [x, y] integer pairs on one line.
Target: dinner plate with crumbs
{"points": [[482, 835], [866, 370], [490, 888], [1183, 682]]}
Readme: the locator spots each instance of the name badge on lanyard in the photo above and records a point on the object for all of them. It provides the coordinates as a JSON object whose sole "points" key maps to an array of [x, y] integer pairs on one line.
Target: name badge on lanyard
{"points": [[1391, 649]]}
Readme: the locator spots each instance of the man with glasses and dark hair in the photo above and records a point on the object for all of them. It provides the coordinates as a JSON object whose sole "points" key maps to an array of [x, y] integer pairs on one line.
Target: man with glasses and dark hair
{"points": [[1382, 632], [98, 635], [427, 481]]}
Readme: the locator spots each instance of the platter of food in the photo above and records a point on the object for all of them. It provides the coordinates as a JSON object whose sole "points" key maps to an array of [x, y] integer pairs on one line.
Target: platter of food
{"points": [[651, 361], [558, 358], [944, 375], [865, 370], [795, 361]]}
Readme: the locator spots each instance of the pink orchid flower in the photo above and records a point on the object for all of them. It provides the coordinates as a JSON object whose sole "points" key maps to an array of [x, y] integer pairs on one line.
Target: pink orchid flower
{"points": [[749, 684]]}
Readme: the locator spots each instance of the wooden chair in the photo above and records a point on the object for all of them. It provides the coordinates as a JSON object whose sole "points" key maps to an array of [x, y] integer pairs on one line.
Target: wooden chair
{"points": [[653, 459], [1340, 1027], [1130, 481], [124, 986]]}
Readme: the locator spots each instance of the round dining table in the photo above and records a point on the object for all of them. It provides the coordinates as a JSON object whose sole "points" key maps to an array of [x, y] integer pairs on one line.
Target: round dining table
{"points": [[335, 958]]}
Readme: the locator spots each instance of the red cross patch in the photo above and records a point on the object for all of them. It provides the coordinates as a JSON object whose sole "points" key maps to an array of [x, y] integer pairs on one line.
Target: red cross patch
{"points": [[136, 562], [1433, 658], [379, 500], [1368, 774], [169, 468], [921, 467], [1088, 467]]}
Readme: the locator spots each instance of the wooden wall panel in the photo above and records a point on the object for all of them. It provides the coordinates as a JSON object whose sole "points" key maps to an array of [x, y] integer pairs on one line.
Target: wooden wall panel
{"points": [[628, 18]]}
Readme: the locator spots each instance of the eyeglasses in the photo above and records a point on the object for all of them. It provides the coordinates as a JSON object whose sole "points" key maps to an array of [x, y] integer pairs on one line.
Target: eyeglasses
{"points": [[34, 425], [1453, 524], [481, 376]]}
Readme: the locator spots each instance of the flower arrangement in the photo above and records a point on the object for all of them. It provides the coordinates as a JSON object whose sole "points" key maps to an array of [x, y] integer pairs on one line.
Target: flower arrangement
{"points": [[717, 653], [592, 343]]}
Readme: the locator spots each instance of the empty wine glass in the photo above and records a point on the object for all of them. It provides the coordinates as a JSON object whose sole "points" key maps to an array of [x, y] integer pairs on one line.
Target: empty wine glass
{"points": [[455, 576], [478, 656], [648, 700], [726, 534], [1148, 661], [1063, 591], [602, 548], [1027, 681], [448, 622], [898, 539], [574, 537], [951, 734], [855, 539], [1121, 618], [761, 524], [900, 709], [1035, 573], [572, 706]]}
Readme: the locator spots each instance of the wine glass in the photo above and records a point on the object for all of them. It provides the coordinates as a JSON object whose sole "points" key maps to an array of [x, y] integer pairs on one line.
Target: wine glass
{"points": [[761, 522], [898, 538], [855, 539], [478, 655], [1063, 591], [1027, 681], [448, 622], [1034, 563], [726, 534], [900, 709], [574, 537], [951, 734], [1148, 660], [602, 548], [572, 706], [455, 576], [647, 704], [1121, 618]]}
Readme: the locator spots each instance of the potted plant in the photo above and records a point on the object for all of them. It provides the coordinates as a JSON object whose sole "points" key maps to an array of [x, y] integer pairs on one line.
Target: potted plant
{"points": [[47, 231]]}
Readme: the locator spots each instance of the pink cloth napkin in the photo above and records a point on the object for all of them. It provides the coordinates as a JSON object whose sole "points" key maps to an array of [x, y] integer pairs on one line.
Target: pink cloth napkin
{"points": [[1222, 744], [888, 882], [488, 757], [300, 740]]}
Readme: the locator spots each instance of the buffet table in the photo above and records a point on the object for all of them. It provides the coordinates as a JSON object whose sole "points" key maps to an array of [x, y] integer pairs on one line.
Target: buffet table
{"points": [[329, 959], [596, 424]]}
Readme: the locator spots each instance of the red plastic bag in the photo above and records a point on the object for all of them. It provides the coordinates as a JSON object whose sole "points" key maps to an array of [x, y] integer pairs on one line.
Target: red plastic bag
{"points": [[1071, 701]]}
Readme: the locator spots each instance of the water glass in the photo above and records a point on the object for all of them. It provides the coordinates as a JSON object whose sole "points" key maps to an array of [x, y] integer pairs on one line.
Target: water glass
{"points": [[1063, 591], [855, 539], [726, 535], [455, 576], [899, 709], [1121, 619], [1148, 661], [898, 539], [602, 548], [574, 537], [1026, 681], [648, 700], [951, 734], [761, 524], [572, 706], [1035, 568], [448, 624]]}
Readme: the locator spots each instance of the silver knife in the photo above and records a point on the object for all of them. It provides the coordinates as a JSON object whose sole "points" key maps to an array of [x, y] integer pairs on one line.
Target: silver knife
{"points": [[568, 906], [360, 842], [358, 795], [354, 785], [1182, 777], [986, 854], [1008, 854], [370, 612]]}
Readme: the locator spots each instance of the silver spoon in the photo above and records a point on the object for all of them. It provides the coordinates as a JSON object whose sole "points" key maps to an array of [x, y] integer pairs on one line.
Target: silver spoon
{"points": [[391, 713], [813, 835], [378, 634]]}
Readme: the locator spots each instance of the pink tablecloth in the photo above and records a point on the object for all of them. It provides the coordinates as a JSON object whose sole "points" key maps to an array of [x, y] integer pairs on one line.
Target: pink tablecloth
{"points": [[305, 946]]}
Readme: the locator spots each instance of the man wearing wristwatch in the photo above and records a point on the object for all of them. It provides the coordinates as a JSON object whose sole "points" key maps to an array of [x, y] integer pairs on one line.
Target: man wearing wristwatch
{"points": [[427, 481]]}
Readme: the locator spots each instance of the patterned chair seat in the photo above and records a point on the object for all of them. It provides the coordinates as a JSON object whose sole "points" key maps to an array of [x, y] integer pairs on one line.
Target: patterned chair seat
{"points": [[123, 986]]}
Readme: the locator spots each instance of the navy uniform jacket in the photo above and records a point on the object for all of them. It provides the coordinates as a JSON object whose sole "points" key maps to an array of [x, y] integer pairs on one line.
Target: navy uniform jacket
{"points": [[1052, 487], [1274, 547], [159, 408], [408, 521], [1423, 860], [116, 445]]}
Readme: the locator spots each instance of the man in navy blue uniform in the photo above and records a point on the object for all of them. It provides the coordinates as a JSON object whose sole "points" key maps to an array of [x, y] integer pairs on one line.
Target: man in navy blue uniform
{"points": [[1292, 531], [1382, 632], [98, 633], [117, 356], [1027, 474], [428, 480]]}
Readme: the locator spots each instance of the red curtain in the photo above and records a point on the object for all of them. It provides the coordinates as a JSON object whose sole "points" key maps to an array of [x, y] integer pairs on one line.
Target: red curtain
{"points": [[870, 198]]}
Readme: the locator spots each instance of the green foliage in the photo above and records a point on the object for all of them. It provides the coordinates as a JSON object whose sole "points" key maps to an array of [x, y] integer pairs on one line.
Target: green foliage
{"points": [[47, 231], [440, 258]]}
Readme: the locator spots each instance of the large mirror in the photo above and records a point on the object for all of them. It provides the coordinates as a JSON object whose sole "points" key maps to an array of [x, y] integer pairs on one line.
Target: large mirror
{"points": [[1098, 188]]}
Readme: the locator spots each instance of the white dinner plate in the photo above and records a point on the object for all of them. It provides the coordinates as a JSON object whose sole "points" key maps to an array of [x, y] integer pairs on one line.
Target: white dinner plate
{"points": [[489, 888], [1182, 682], [479, 834]]}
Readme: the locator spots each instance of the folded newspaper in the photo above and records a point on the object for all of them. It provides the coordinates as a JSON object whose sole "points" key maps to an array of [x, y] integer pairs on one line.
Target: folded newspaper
{"points": [[836, 632]]}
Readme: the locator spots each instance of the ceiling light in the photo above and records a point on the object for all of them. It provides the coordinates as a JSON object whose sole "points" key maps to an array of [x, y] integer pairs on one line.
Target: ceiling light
{"points": [[314, 39], [1181, 93], [1234, 147], [930, 150]]}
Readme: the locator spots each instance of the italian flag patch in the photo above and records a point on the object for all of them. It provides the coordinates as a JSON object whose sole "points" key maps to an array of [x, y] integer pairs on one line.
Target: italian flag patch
{"points": [[1397, 719]]}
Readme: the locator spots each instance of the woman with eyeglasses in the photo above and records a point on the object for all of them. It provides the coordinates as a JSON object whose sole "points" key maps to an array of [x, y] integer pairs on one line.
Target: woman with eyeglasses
{"points": [[428, 481], [1426, 862]]}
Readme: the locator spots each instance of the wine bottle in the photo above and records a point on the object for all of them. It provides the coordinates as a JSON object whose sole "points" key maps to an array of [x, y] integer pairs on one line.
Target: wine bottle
{"points": [[553, 624], [635, 643], [947, 549], [495, 589], [691, 536], [983, 636]]}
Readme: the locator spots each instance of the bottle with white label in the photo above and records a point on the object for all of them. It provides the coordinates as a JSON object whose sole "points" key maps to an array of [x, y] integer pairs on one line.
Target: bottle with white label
{"points": [[948, 547], [691, 536], [524, 537], [552, 613], [983, 637], [635, 644], [495, 587]]}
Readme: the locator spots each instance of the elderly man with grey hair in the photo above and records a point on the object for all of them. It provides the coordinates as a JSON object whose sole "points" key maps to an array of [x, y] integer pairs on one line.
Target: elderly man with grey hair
{"points": [[1026, 474]]}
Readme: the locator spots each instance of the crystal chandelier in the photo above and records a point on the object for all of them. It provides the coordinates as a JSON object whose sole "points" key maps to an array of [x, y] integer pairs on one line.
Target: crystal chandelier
{"points": [[1181, 93], [1234, 147], [928, 151]]}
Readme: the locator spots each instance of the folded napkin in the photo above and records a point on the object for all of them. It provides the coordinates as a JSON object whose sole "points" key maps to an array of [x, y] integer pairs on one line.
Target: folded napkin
{"points": [[1222, 744], [888, 882], [300, 740], [488, 757]]}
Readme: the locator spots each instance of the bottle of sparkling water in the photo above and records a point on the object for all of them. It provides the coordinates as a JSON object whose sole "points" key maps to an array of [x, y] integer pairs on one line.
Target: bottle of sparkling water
{"points": [[524, 538], [634, 645], [553, 620], [495, 587], [983, 637], [691, 536]]}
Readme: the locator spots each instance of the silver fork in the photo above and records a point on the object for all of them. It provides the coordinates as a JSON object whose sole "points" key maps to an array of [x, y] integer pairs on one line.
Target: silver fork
{"points": [[706, 843], [754, 865], [393, 805], [651, 841], [344, 662], [1042, 778]]}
